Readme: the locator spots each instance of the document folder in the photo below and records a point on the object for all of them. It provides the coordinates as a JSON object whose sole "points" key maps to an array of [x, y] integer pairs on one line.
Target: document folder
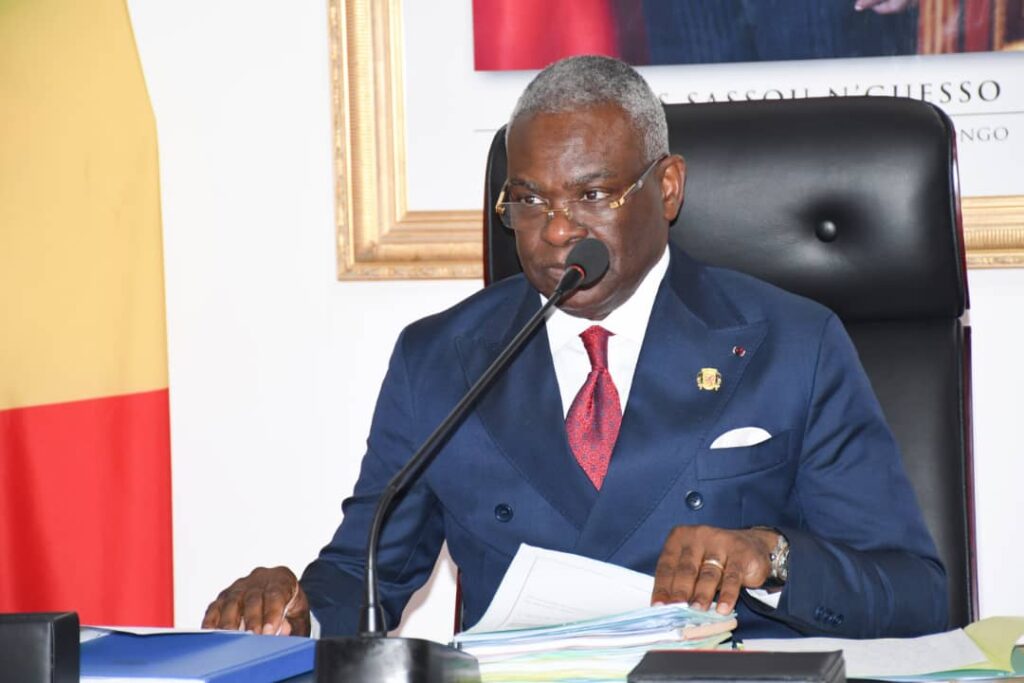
{"points": [[214, 657], [719, 666]]}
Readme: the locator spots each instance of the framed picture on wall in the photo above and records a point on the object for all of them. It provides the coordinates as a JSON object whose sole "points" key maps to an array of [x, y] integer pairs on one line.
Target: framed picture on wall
{"points": [[420, 88], [508, 35]]}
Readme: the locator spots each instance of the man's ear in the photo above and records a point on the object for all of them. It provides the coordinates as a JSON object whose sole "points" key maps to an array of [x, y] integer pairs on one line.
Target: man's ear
{"points": [[673, 183]]}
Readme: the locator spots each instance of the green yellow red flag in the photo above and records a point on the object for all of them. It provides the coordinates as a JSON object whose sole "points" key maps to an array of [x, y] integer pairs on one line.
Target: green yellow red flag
{"points": [[85, 511]]}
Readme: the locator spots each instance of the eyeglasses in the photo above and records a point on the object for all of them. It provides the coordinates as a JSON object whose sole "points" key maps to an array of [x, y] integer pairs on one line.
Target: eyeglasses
{"points": [[523, 216]]}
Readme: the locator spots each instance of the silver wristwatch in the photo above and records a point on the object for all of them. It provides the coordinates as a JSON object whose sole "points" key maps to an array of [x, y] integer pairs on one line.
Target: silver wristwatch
{"points": [[778, 558]]}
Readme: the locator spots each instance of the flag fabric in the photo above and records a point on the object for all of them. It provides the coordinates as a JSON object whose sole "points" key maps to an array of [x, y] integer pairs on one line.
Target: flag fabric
{"points": [[85, 498]]}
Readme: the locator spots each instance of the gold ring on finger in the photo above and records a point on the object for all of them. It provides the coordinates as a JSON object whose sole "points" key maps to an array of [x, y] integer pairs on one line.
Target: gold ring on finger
{"points": [[713, 562]]}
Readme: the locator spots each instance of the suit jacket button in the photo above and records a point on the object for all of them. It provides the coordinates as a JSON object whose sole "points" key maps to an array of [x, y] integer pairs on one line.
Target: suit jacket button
{"points": [[694, 500], [503, 512]]}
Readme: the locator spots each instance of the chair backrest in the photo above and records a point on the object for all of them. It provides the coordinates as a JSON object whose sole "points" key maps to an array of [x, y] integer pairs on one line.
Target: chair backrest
{"points": [[851, 202]]}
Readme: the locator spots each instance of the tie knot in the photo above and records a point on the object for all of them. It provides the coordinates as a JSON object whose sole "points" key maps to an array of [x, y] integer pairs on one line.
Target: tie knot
{"points": [[595, 341]]}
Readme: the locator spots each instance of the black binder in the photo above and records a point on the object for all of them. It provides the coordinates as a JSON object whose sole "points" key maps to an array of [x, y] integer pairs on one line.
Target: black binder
{"points": [[719, 666]]}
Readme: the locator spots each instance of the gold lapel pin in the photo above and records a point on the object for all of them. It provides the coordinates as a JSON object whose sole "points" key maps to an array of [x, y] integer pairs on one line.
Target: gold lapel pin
{"points": [[709, 379]]}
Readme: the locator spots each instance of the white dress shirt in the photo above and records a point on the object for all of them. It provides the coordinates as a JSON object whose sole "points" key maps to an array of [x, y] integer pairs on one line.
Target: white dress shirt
{"points": [[627, 323]]}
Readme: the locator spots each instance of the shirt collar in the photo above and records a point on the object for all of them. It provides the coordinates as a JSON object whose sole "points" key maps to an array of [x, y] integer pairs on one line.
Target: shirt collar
{"points": [[628, 321]]}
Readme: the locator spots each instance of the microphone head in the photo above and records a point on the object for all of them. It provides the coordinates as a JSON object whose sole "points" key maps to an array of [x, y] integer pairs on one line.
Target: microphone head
{"points": [[590, 256]]}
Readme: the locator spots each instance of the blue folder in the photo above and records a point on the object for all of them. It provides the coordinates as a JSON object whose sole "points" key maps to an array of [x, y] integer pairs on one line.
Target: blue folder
{"points": [[214, 657]]}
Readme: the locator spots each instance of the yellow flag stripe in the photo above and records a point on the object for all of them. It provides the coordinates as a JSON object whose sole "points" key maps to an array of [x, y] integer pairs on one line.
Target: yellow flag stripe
{"points": [[81, 279]]}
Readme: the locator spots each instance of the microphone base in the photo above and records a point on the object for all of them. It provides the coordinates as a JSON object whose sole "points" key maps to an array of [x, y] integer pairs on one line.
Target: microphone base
{"points": [[395, 660]]}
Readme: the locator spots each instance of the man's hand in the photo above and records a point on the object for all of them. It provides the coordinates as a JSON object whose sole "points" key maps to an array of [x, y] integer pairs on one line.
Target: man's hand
{"points": [[698, 561], [268, 601], [884, 6]]}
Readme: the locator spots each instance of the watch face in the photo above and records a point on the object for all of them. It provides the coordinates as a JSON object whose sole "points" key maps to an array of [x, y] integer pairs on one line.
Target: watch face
{"points": [[779, 558]]}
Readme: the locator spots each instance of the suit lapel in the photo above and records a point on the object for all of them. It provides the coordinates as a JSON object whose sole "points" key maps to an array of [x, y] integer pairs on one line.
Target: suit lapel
{"points": [[667, 416], [522, 413]]}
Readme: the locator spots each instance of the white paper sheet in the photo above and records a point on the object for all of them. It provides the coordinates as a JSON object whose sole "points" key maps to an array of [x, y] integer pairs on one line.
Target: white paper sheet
{"points": [[87, 633], [884, 657], [544, 587]]}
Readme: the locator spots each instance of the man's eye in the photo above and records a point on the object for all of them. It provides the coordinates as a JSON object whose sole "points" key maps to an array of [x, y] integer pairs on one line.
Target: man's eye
{"points": [[529, 200], [594, 195]]}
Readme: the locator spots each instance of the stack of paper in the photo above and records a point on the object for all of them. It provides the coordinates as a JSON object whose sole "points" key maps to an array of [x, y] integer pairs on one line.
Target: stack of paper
{"points": [[558, 616], [602, 649]]}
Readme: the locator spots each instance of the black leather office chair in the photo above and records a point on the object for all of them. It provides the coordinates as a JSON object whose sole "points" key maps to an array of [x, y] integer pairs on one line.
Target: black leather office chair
{"points": [[851, 202]]}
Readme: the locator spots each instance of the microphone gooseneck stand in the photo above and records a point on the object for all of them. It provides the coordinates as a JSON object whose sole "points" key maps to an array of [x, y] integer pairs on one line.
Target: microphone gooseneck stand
{"points": [[372, 656]]}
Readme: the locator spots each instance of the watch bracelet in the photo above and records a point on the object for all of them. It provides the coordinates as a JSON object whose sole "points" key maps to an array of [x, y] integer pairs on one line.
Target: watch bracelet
{"points": [[778, 557]]}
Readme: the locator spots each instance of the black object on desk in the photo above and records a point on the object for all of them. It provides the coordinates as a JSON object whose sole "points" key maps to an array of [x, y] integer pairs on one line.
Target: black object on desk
{"points": [[399, 660], [717, 666], [39, 647]]}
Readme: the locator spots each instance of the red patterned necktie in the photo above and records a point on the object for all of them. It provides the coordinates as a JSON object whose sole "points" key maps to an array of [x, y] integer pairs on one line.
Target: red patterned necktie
{"points": [[595, 415]]}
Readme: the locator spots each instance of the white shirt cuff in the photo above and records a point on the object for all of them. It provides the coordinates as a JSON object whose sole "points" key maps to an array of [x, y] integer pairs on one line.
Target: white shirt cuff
{"points": [[314, 626]]}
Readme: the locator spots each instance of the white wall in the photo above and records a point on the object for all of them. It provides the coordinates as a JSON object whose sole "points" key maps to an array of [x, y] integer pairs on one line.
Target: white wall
{"points": [[274, 365], [997, 328]]}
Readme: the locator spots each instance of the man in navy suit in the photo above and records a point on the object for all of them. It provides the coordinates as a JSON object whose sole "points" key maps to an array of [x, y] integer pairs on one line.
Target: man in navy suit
{"points": [[677, 419], [702, 31]]}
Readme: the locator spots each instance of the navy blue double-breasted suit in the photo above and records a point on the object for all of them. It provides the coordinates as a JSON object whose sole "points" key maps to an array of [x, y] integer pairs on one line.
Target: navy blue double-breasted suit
{"points": [[861, 562]]}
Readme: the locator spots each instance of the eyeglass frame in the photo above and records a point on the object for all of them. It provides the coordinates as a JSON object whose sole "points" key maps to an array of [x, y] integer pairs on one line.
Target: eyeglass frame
{"points": [[636, 186]]}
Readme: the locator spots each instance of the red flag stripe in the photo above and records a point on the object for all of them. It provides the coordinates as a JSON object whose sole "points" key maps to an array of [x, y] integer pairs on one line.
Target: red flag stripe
{"points": [[86, 491]]}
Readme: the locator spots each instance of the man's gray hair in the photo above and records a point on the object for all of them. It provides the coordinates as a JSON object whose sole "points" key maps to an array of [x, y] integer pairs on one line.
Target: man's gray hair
{"points": [[590, 80]]}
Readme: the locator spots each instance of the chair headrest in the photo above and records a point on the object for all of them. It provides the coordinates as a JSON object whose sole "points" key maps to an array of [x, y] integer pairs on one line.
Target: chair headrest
{"points": [[851, 201]]}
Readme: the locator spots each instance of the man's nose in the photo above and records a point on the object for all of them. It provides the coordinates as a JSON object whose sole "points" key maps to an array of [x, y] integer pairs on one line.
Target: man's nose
{"points": [[562, 228]]}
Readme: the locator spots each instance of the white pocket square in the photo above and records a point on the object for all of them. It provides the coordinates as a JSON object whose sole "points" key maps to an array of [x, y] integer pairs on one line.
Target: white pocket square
{"points": [[744, 436]]}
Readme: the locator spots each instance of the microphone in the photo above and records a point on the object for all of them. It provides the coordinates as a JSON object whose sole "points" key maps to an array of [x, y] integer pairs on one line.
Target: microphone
{"points": [[587, 261], [373, 656]]}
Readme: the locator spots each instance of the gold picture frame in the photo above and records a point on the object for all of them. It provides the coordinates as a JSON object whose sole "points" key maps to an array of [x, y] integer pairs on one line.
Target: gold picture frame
{"points": [[379, 238]]}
